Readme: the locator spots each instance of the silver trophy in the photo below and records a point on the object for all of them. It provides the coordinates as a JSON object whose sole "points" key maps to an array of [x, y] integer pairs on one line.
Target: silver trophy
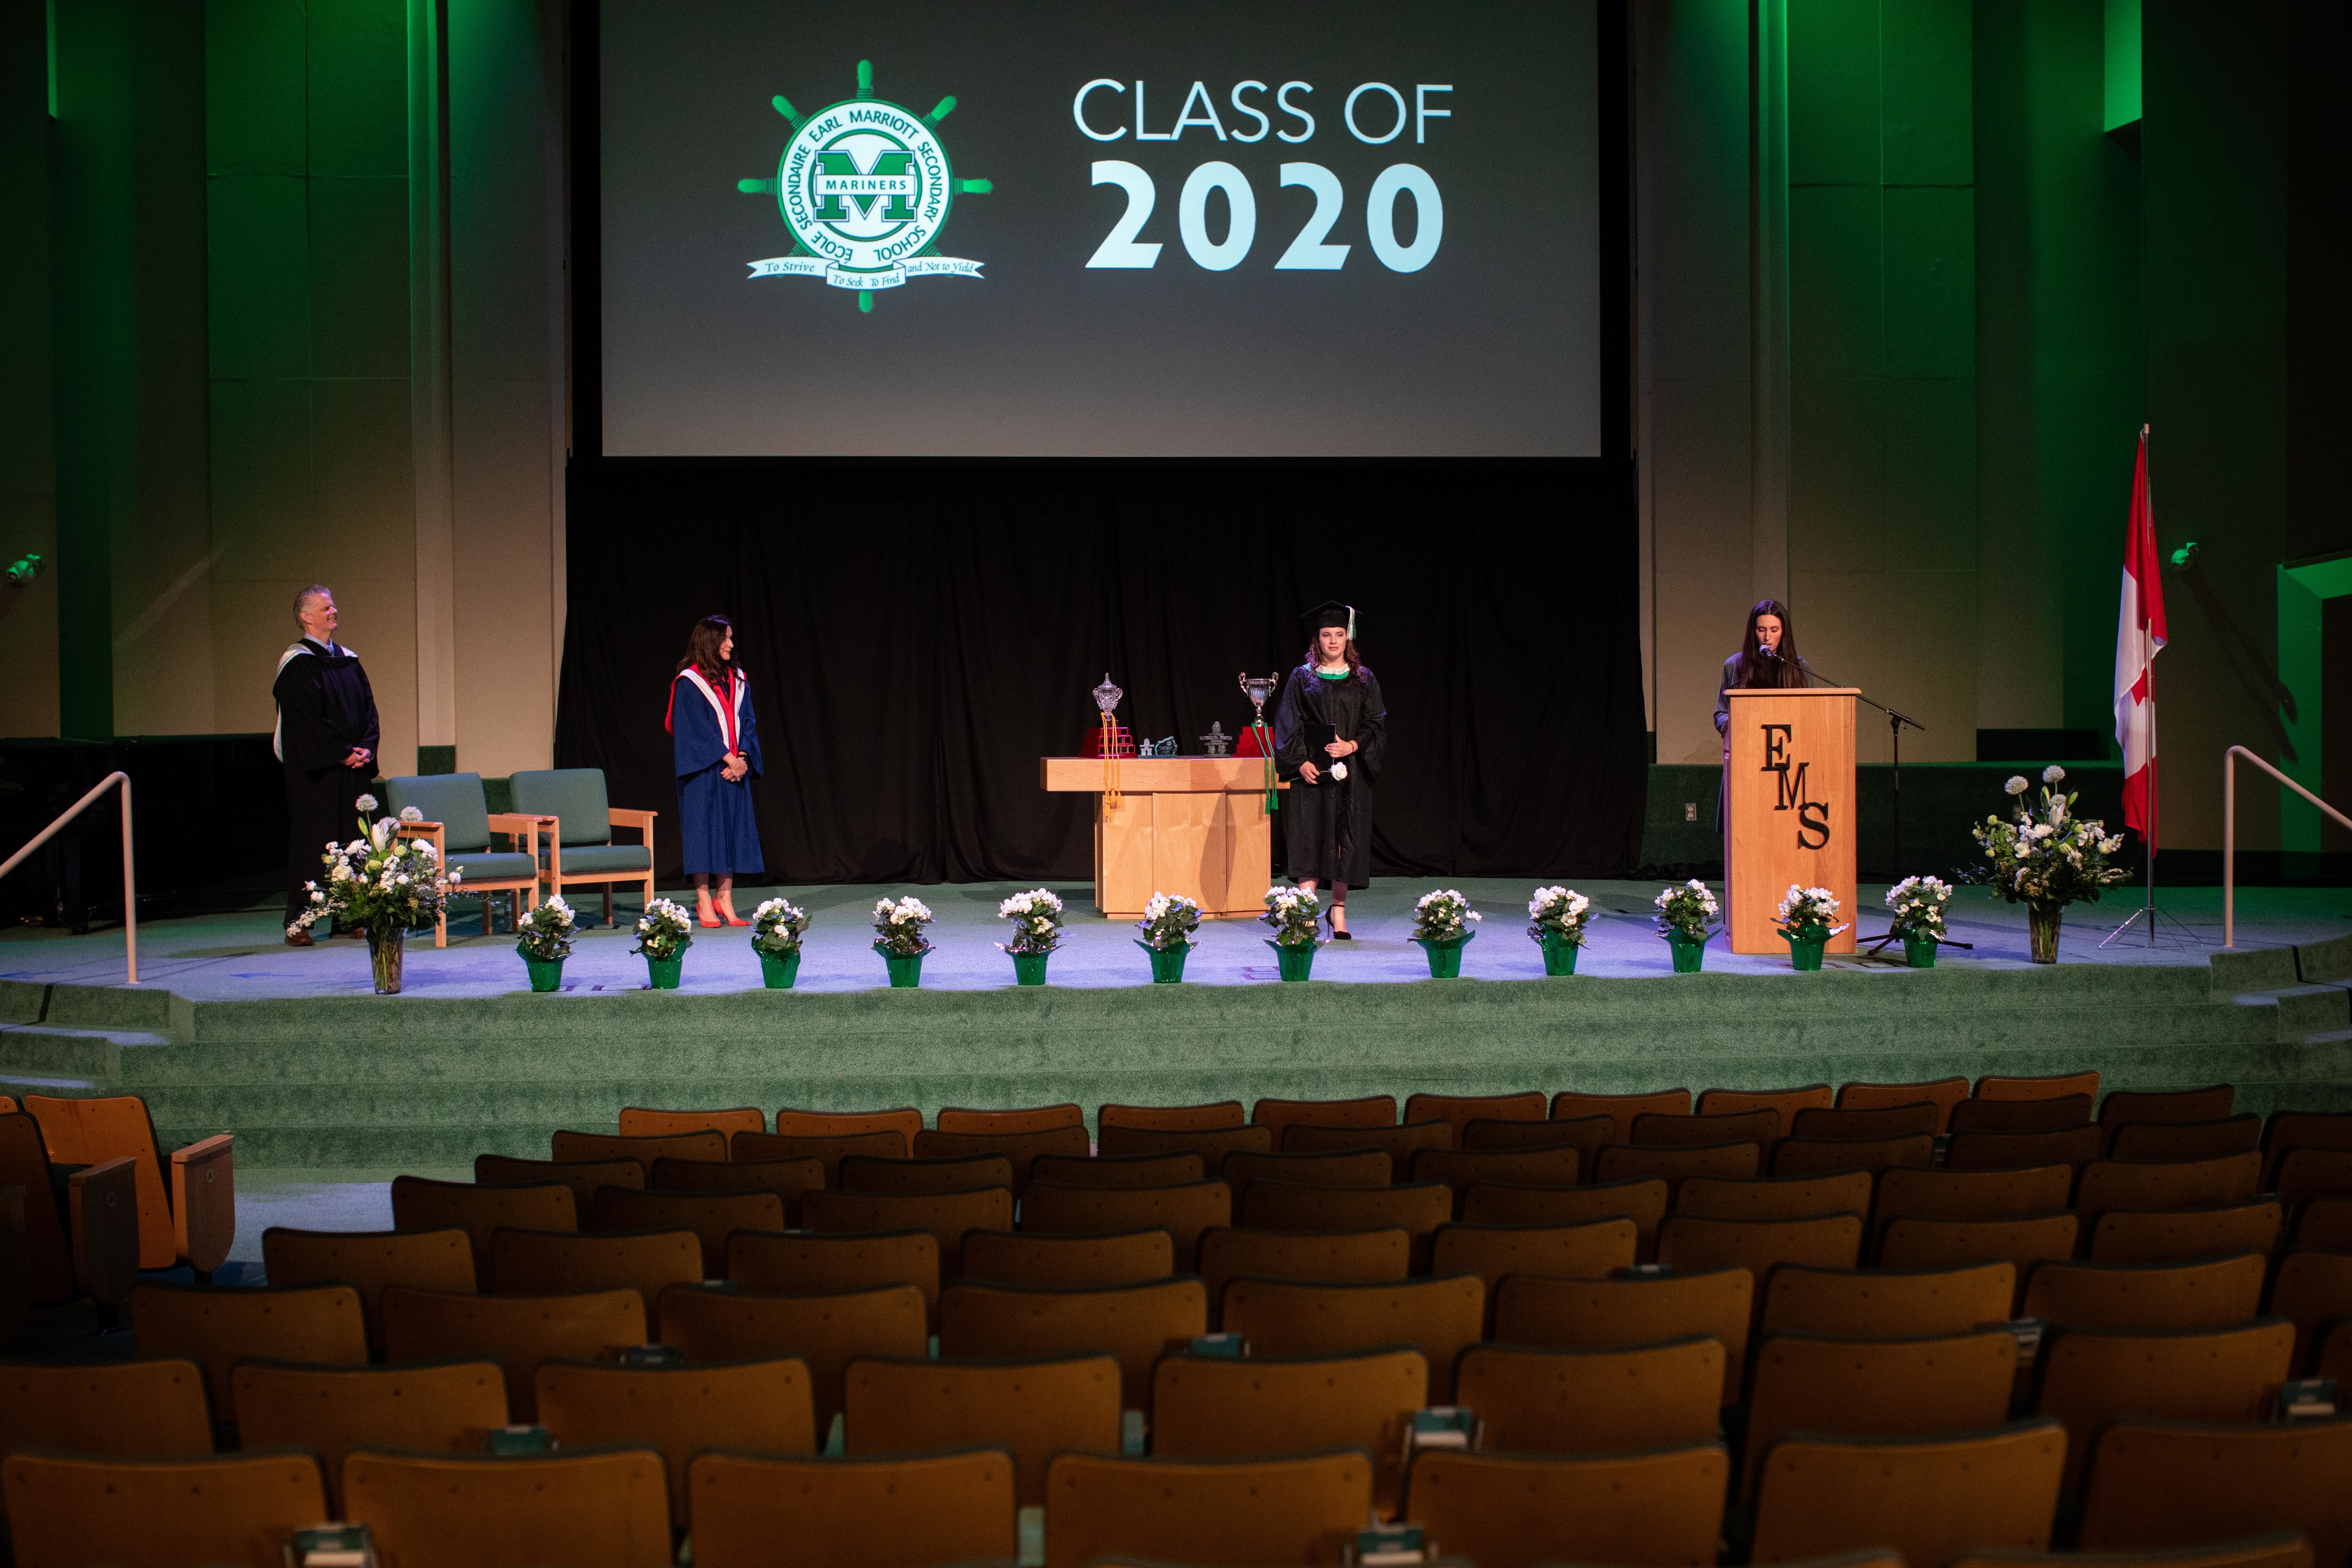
{"points": [[1257, 688]]}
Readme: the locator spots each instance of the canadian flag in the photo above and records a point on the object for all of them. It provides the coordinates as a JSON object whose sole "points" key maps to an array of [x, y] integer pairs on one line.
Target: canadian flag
{"points": [[2139, 635]]}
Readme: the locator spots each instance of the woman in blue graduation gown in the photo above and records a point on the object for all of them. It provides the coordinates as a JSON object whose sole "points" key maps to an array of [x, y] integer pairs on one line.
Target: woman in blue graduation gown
{"points": [[717, 752]]}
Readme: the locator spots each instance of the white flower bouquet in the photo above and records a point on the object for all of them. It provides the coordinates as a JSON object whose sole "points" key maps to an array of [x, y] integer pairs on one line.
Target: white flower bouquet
{"points": [[777, 927], [1169, 922], [1444, 916], [1292, 913], [2046, 856], [1918, 905], [1808, 914], [545, 933], [898, 927], [1559, 914], [381, 879], [1685, 909], [664, 931], [1036, 917]]}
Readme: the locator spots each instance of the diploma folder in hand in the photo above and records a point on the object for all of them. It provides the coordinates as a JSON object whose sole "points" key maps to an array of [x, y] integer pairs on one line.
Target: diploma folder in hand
{"points": [[1319, 735]]}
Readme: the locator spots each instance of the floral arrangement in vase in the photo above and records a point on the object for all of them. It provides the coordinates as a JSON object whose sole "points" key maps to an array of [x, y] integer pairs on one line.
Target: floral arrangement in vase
{"points": [[384, 880], [1169, 922], [1805, 918], [1036, 917], [1444, 916], [1683, 916], [898, 927], [1918, 905], [777, 927], [1292, 913], [1558, 917], [2046, 857]]}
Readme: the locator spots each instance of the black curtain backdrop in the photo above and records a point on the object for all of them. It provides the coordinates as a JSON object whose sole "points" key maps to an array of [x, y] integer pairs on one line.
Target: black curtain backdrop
{"points": [[916, 636]]}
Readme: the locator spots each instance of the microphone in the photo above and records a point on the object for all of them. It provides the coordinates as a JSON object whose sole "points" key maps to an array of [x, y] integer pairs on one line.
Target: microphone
{"points": [[1765, 650]]}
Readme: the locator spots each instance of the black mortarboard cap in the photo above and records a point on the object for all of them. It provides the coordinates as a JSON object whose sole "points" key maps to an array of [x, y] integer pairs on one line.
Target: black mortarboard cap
{"points": [[1330, 613]]}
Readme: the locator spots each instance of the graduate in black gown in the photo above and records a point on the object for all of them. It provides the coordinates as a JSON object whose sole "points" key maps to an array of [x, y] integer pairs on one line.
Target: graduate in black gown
{"points": [[327, 734], [1331, 735]]}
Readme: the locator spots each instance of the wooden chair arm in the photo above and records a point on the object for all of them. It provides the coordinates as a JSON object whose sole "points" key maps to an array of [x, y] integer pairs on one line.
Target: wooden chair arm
{"points": [[102, 1207], [433, 830], [204, 1201], [522, 827], [623, 816]]}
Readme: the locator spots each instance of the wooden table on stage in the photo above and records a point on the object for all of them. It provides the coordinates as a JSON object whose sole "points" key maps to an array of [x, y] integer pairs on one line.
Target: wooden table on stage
{"points": [[1194, 825], [1791, 815]]}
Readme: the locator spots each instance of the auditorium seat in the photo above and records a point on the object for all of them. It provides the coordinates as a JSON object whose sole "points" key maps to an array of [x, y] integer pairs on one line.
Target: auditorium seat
{"points": [[1943, 1093], [2052, 1086], [1929, 1497], [1182, 1212], [216, 1328], [2332, 1356], [2173, 1184], [827, 1149], [1871, 1124], [788, 1179], [1613, 1314], [1569, 1105], [826, 1332], [2076, 1146], [583, 1177], [1278, 1116], [636, 1121], [924, 1177], [1657, 1129], [2306, 1175], [1593, 1250], [1212, 1143], [946, 1216], [1080, 1262], [2055, 1114], [442, 1406], [2309, 1288], [1873, 1388], [420, 1204], [1417, 1209], [1459, 1168], [2150, 1297], [1217, 1407], [711, 1216], [1021, 1148], [573, 1263], [1174, 1118], [2019, 1240], [1031, 1408], [2277, 1549], [805, 1265], [2147, 1140], [131, 1409], [517, 1331], [1533, 1401], [2087, 1378], [1318, 1256], [1808, 1156], [1332, 1168], [853, 1514], [762, 1406], [2176, 1236], [1622, 1162], [1513, 1510], [708, 1144], [2324, 1223], [1204, 1510], [1119, 1170], [1785, 1102], [237, 1510], [1399, 1143], [60, 1244], [1695, 1246], [2287, 1130], [1775, 1198], [187, 1196], [369, 1260], [1588, 1135], [906, 1122], [1133, 1322], [1436, 1316], [1906, 1192], [1887, 1304], [594, 1509], [1458, 1111], [1641, 1199], [2123, 1106], [2179, 1483], [1038, 1118]]}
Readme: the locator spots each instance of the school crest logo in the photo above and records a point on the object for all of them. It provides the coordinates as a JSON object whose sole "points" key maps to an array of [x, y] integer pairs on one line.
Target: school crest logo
{"points": [[865, 187]]}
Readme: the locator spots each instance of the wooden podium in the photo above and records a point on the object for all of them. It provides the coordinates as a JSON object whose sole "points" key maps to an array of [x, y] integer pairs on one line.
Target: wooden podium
{"points": [[1790, 809], [1194, 825]]}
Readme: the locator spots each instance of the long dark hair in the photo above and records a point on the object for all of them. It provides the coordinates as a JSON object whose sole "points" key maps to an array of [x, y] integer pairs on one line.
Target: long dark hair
{"points": [[702, 647], [1314, 658], [1755, 669]]}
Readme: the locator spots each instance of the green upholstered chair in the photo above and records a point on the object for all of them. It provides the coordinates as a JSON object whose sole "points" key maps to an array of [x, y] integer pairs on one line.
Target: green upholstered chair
{"points": [[459, 822], [580, 847]]}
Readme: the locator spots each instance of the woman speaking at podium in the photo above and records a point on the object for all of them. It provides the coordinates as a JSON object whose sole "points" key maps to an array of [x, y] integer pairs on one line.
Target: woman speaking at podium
{"points": [[1330, 732], [1766, 657], [716, 745]]}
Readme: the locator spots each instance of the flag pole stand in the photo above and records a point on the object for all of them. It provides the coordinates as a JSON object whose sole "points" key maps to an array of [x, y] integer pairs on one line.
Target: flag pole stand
{"points": [[2180, 935]]}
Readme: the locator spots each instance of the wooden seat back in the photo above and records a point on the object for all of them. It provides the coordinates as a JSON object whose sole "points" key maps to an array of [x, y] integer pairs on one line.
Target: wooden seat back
{"points": [[48, 1254], [187, 1204], [1212, 1143], [2167, 1185], [1135, 1323], [1278, 1116], [369, 1260], [1458, 1111], [1021, 1148], [152, 1409], [2176, 1236], [583, 1177], [1613, 1314], [1903, 1191], [2155, 1484], [2147, 1140], [826, 1332], [1174, 1169], [2049, 1086], [1813, 1156], [1759, 1246], [906, 1122], [2076, 1146], [2310, 1288], [1514, 1511], [946, 1216], [1461, 1168], [1775, 1198], [713, 1217], [1174, 1118], [421, 1203], [517, 1331], [2088, 1378], [590, 1510], [636, 1121], [1417, 1209], [1331, 1168], [1030, 1408], [1318, 1256], [1213, 1407], [1871, 1124], [1182, 1212], [1623, 1161], [2021, 1241], [1562, 1400], [1588, 1135], [1038, 1118], [2129, 1105], [237, 1508], [1076, 1262], [2273, 1549], [1569, 1105], [2152, 1297], [1641, 1199], [707, 1145], [1926, 1496], [827, 1150], [2308, 1175], [853, 1512], [1787, 1102], [1204, 1510], [1400, 1143], [1593, 1250], [1943, 1093], [1655, 1129], [2287, 1130], [218, 1328], [2053, 1114], [1877, 1387], [788, 1179], [804, 1265], [764, 1406], [575, 1263], [447, 1407], [1437, 1316], [1888, 1303], [924, 1177]]}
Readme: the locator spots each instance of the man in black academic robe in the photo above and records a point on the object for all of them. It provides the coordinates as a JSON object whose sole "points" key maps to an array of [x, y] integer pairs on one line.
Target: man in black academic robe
{"points": [[327, 734]]}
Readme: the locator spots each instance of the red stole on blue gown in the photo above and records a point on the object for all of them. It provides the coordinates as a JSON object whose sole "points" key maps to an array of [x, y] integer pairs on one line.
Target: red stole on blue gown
{"points": [[714, 817]]}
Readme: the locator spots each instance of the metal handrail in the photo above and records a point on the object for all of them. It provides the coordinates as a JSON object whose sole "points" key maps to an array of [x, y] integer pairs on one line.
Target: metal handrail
{"points": [[130, 901], [2229, 828]]}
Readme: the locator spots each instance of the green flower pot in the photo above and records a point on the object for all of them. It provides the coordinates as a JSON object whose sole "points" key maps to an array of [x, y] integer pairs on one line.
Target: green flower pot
{"points": [[1167, 963], [906, 969], [1560, 954], [546, 974], [1690, 951], [777, 969], [1029, 968], [1919, 951], [1805, 952], [1295, 963], [1446, 957], [663, 971]]}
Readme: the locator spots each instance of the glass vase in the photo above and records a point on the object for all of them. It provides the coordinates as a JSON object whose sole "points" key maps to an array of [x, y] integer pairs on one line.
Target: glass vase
{"points": [[2041, 925], [384, 952]]}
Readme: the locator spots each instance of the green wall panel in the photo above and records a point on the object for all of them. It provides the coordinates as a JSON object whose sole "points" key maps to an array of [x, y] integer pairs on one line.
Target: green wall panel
{"points": [[1833, 89], [363, 470], [257, 275], [265, 501], [254, 87], [1837, 473], [1928, 74], [359, 87], [1929, 260], [1931, 475], [358, 277], [1833, 280]]}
